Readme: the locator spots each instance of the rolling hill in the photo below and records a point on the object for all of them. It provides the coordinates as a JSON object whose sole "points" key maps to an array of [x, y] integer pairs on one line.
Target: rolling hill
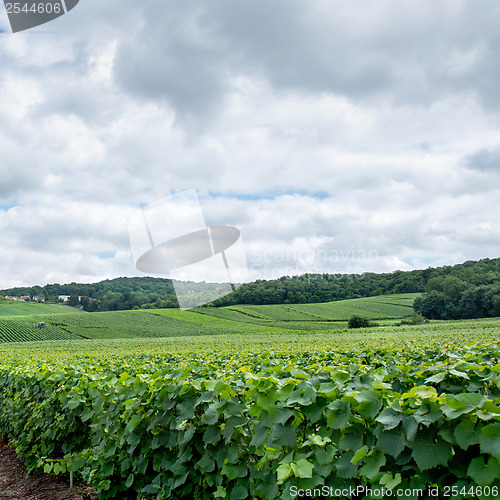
{"points": [[148, 323], [20, 308]]}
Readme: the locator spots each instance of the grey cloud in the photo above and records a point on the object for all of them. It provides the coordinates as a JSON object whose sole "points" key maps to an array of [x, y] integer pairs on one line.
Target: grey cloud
{"points": [[266, 83], [187, 53], [387, 51], [484, 160], [18, 172], [296, 48], [75, 100], [14, 181], [167, 59]]}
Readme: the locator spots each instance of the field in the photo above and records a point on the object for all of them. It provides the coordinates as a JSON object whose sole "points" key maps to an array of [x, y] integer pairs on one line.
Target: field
{"points": [[231, 403], [381, 307], [25, 329], [69, 323], [19, 308]]}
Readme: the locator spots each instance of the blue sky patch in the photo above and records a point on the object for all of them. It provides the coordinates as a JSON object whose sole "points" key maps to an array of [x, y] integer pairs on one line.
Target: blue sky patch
{"points": [[106, 255], [8, 205]]}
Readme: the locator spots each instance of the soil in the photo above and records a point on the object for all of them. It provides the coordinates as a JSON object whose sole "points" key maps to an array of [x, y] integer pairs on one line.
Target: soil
{"points": [[15, 484]]}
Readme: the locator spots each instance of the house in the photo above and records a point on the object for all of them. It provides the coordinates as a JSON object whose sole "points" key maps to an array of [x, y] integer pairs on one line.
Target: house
{"points": [[12, 297], [64, 298]]}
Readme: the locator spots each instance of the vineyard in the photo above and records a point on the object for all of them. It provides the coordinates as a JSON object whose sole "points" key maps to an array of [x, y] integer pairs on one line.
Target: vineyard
{"points": [[25, 329], [381, 307], [263, 416], [152, 323], [20, 308]]}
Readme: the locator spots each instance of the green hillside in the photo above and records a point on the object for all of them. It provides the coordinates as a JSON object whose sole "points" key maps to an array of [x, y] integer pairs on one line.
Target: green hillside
{"points": [[24, 329], [123, 293], [380, 307], [151, 323], [20, 308], [108, 405]]}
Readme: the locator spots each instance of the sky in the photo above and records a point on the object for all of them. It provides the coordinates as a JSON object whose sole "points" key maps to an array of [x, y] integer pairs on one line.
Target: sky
{"points": [[338, 137]]}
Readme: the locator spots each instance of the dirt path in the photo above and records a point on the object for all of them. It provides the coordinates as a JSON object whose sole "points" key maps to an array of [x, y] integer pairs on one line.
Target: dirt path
{"points": [[15, 484]]}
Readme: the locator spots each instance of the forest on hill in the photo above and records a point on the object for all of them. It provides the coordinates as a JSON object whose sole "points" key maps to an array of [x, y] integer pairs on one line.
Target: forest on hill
{"points": [[471, 289]]}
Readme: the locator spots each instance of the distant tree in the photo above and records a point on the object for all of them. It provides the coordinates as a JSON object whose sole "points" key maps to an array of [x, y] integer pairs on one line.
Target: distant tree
{"points": [[476, 302], [358, 322], [433, 304], [93, 305], [73, 300], [417, 304], [416, 319], [450, 286], [495, 305]]}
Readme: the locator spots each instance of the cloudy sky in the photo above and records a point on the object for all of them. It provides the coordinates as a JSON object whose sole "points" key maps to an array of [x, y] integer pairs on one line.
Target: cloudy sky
{"points": [[337, 136]]}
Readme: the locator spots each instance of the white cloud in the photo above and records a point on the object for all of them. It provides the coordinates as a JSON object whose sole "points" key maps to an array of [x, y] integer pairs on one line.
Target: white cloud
{"points": [[341, 137]]}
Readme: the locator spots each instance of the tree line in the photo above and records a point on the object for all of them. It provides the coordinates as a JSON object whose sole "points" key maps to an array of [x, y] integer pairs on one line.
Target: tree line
{"points": [[310, 288], [452, 298], [108, 295], [448, 292]]}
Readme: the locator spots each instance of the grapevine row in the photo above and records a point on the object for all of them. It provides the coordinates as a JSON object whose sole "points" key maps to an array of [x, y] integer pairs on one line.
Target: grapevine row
{"points": [[262, 424]]}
